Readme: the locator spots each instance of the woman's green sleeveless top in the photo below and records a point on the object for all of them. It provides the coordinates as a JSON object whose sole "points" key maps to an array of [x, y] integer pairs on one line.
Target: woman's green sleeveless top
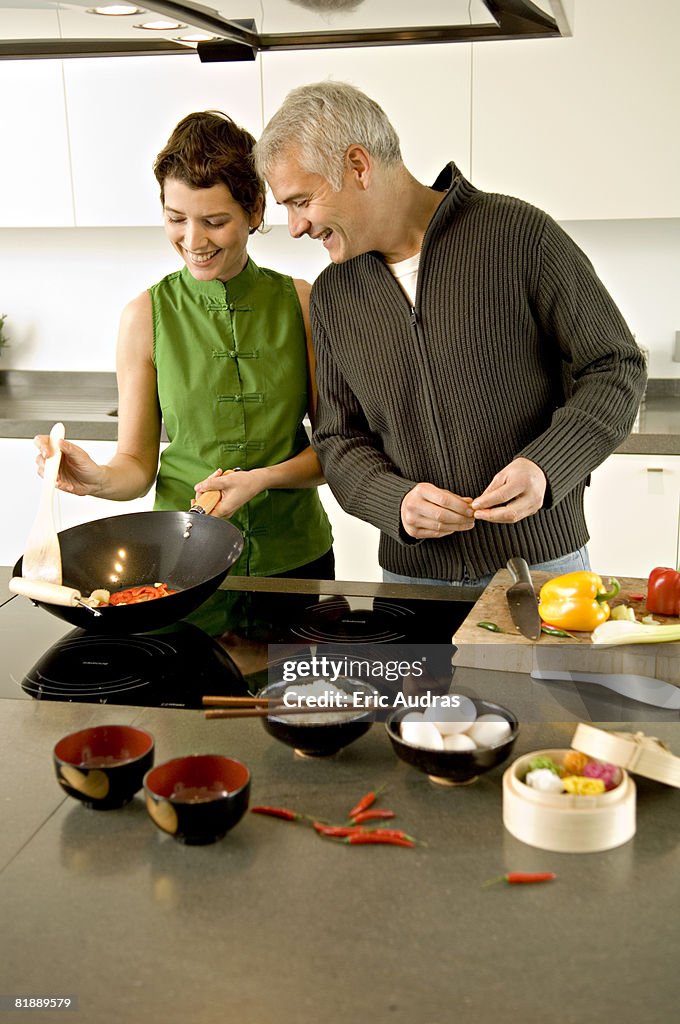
{"points": [[231, 362]]}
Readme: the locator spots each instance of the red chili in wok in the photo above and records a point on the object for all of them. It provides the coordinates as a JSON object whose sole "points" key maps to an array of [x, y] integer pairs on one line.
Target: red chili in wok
{"points": [[137, 595]]}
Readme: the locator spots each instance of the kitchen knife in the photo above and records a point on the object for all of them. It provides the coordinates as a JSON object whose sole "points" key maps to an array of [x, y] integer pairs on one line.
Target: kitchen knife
{"points": [[522, 600]]}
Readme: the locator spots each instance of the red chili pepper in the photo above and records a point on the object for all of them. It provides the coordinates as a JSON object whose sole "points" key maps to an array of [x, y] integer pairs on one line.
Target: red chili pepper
{"points": [[376, 836], [394, 832], [554, 631], [336, 831], [136, 595], [365, 802], [373, 815], [663, 591], [523, 878], [279, 812]]}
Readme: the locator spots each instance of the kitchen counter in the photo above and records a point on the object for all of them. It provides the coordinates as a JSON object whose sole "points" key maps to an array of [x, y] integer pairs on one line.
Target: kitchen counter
{"points": [[275, 924], [31, 401]]}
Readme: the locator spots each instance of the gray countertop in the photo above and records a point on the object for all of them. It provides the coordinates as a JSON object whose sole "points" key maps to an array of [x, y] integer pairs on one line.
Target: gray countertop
{"points": [[275, 924], [31, 401]]}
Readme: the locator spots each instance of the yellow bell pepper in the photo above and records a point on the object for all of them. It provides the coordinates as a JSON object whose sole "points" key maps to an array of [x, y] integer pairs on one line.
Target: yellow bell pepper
{"points": [[577, 601]]}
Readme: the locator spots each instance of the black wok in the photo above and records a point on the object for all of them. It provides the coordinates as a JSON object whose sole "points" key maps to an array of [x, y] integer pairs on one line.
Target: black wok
{"points": [[190, 552]]}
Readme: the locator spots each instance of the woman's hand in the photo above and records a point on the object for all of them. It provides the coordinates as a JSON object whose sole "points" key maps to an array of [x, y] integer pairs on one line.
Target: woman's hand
{"points": [[237, 487], [78, 473]]}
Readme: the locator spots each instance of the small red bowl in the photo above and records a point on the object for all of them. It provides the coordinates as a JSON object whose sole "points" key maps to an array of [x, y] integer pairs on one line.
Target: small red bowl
{"points": [[104, 766], [199, 798]]}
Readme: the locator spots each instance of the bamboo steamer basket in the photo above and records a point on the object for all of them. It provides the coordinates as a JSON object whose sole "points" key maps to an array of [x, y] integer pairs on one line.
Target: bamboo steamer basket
{"points": [[563, 823]]}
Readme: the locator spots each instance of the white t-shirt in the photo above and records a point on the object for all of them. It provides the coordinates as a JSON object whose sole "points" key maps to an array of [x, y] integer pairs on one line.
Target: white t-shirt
{"points": [[406, 273]]}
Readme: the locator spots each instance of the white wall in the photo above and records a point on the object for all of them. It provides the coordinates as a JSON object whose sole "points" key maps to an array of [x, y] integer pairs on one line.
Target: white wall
{"points": [[63, 288], [639, 261]]}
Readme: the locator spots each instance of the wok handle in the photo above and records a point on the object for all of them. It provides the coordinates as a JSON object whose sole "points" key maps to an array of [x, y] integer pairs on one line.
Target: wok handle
{"points": [[41, 590], [205, 502]]}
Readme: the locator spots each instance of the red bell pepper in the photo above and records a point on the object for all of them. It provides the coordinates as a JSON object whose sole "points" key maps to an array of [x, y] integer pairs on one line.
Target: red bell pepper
{"points": [[663, 591]]}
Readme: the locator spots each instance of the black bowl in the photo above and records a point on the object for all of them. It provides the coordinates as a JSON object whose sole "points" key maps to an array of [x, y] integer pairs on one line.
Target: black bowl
{"points": [[331, 730], [192, 553], [104, 766], [199, 798], [454, 767]]}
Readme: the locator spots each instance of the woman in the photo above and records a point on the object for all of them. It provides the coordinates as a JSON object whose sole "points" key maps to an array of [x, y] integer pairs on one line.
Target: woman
{"points": [[220, 352]]}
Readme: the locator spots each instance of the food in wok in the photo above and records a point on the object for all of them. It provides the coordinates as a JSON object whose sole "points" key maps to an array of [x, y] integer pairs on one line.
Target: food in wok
{"points": [[127, 551]]}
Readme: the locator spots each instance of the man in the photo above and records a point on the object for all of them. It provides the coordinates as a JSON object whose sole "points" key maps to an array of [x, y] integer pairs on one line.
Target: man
{"points": [[472, 368]]}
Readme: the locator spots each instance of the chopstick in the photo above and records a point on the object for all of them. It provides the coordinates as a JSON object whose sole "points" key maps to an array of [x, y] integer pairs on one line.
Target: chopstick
{"points": [[247, 702], [250, 712], [273, 711], [260, 707], [267, 704]]}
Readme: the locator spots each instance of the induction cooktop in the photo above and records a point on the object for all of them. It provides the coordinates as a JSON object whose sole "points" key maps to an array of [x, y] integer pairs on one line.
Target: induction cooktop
{"points": [[266, 622]]}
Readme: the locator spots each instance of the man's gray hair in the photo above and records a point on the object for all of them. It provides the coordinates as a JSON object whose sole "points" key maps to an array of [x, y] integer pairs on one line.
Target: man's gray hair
{"points": [[319, 123]]}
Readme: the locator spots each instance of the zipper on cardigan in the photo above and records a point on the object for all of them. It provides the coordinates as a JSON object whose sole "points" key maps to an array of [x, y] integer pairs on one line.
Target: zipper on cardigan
{"points": [[413, 318]]}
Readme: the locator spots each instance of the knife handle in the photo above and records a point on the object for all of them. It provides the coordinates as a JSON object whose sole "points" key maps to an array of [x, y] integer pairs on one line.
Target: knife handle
{"points": [[519, 570]]}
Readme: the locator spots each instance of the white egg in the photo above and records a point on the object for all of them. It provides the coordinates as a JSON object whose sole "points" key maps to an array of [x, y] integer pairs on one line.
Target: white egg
{"points": [[450, 720], [459, 741], [422, 734], [413, 716], [490, 730]]}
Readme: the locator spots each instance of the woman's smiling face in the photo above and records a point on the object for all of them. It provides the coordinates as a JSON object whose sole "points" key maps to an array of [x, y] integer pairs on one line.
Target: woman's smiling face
{"points": [[208, 228]]}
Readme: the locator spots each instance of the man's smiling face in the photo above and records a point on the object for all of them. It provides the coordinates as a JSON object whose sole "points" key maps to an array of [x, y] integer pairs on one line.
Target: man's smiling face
{"points": [[337, 219]]}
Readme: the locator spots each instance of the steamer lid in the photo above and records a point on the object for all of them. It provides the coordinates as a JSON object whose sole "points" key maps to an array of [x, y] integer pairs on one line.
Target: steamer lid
{"points": [[644, 755]]}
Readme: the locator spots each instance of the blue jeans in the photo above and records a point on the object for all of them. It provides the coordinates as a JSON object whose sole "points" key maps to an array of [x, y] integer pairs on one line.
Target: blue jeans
{"points": [[573, 562]]}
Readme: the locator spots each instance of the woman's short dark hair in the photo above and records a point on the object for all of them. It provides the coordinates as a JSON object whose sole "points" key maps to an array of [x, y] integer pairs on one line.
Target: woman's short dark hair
{"points": [[207, 149]]}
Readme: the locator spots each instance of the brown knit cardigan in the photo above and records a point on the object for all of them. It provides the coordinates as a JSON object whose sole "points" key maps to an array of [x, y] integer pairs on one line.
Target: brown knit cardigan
{"points": [[514, 348]]}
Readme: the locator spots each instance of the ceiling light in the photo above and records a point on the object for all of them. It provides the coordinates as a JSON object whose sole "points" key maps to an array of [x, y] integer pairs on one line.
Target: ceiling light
{"points": [[195, 38], [116, 10], [161, 26]]}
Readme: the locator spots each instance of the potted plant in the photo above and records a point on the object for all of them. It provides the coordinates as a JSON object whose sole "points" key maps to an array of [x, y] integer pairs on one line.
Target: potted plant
{"points": [[3, 337]]}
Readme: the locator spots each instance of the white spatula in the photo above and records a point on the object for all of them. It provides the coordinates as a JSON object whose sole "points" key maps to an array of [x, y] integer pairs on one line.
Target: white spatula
{"points": [[42, 556]]}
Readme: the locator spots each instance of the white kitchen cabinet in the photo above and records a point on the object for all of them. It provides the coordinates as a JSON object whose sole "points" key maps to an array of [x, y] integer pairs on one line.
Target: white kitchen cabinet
{"points": [[21, 495], [584, 127], [35, 174], [121, 112], [424, 90], [633, 514]]}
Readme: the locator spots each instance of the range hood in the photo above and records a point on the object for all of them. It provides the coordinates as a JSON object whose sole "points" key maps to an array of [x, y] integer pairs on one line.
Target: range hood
{"points": [[240, 29]]}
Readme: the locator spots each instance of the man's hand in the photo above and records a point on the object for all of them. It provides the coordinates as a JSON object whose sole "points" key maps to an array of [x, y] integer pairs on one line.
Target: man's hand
{"points": [[513, 494], [428, 511]]}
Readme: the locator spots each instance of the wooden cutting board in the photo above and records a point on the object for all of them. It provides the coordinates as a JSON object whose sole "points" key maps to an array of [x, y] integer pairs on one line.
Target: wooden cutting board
{"points": [[512, 652]]}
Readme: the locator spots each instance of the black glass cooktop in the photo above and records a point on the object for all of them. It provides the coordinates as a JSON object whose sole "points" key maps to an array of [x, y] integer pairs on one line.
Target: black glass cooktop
{"points": [[226, 648]]}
